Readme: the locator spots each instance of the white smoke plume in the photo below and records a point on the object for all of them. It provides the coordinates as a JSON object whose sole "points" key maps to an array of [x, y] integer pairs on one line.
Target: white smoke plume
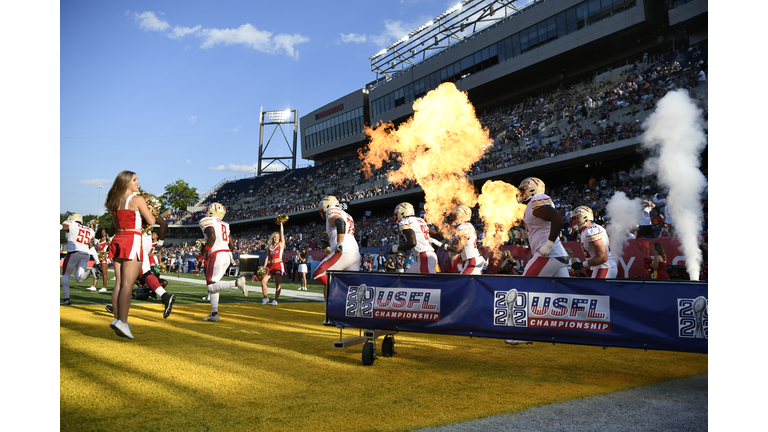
{"points": [[624, 213], [675, 137]]}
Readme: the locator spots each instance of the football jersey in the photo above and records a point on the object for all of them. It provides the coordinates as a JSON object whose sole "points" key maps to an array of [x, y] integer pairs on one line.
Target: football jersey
{"points": [[593, 234], [470, 247], [350, 244], [420, 228], [221, 229], [78, 237], [538, 228]]}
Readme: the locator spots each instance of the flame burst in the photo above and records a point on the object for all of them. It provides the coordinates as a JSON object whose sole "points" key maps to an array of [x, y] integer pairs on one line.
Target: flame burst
{"points": [[499, 211], [435, 148]]}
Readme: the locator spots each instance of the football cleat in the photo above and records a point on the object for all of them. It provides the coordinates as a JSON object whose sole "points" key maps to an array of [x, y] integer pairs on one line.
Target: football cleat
{"points": [[264, 301], [66, 302], [212, 318], [274, 302], [102, 290], [109, 309], [240, 283], [168, 305], [91, 289]]}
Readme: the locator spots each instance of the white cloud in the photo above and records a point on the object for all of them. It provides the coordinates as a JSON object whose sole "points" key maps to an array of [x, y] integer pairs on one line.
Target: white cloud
{"points": [[235, 129], [192, 119], [179, 32], [189, 162], [236, 168], [284, 42], [353, 37], [252, 37], [393, 30], [250, 169], [95, 182], [149, 21]]}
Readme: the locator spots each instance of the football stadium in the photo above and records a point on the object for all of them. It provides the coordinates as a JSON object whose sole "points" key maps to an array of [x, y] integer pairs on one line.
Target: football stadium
{"points": [[601, 105]]}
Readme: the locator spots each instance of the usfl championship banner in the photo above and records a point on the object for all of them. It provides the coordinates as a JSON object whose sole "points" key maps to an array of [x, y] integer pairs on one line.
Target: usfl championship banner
{"points": [[645, 314]]}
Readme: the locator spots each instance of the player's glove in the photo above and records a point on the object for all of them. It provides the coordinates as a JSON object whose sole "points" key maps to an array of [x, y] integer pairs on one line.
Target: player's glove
{"points": [[547, 248], [394, 248], [339, 248], [436, 243], [577, 266]]}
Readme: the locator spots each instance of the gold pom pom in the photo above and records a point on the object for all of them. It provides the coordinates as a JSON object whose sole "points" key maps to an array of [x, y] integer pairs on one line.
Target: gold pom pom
{"points": [[327, 250], [261, 271], [281, 219], [199, 243], [154, 207]]}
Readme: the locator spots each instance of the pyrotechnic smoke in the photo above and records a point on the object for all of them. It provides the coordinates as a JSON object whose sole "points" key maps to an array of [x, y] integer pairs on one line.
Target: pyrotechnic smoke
{"points": [[675, 136], [499, 210], [436, 147], [623, 213]]}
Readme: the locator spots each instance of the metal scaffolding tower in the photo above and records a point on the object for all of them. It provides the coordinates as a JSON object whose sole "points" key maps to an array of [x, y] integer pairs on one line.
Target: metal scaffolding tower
{"points": [[277, 119]]}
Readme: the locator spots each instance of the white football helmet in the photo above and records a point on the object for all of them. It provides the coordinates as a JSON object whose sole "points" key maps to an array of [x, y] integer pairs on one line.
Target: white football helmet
{"points": [[528, 188], [580, 216], [325, 203], [75, 217], [403, 210], [461, 214], [215, 210]]}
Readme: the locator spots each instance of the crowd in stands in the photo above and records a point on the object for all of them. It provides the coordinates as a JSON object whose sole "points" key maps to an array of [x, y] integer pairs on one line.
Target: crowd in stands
{"points": [[563, 120]]}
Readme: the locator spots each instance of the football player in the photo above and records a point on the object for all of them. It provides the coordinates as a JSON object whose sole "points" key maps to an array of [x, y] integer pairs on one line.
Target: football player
{"points": [[79, 241], [217, 251], [543, 223], [345, 254], [416, 233], [469, 260], [595, 243]]}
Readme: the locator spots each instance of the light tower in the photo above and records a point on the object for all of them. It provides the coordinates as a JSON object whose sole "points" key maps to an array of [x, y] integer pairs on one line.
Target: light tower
{"points": [[277, 119]]}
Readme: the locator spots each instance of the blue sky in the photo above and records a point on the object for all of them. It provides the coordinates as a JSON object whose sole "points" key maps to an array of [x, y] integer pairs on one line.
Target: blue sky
{"points": [[171, 90]]}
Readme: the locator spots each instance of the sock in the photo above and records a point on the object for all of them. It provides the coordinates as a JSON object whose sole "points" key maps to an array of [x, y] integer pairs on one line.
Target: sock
{"points": [[161, 292], [65, 285], [220, 286], [215, 302]]}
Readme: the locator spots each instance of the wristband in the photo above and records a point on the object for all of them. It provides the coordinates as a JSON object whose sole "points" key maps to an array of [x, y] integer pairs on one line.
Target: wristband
{"points": [[207, 248]]}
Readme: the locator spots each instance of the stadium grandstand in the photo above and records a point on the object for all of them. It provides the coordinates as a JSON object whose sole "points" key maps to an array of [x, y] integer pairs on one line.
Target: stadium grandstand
{"points": [[563, 88]]}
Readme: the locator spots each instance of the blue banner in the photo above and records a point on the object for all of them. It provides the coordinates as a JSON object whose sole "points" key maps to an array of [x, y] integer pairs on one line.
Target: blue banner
{"points": [[646, 314]]}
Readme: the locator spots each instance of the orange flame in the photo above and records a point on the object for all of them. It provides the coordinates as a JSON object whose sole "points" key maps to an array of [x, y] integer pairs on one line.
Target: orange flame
{"points": [[500, 211], [436, 148]]}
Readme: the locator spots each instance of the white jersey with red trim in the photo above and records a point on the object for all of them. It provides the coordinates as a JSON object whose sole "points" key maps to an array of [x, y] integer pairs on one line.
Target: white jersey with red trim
{"points": [[349, 244], [78, 237], [420, 229], [592, 234], [538, 228], [470, 247], [220, 228]]}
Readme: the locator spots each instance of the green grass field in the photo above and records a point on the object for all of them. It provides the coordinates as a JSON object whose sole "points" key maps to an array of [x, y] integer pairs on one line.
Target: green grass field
{"points": [[188, 292], [265, 368]]}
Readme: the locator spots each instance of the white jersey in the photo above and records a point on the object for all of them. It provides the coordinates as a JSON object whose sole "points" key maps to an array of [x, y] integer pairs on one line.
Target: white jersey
{"points": [[350, 244], [78, 237], [420, 229], [538, 228], [221, 229], [593, 234], [470, 247]]}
